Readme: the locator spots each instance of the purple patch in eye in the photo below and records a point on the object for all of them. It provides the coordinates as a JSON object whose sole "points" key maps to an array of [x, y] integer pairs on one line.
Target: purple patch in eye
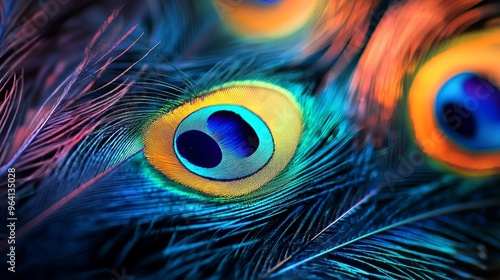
{"points": [[234, 133], [483, 90]]}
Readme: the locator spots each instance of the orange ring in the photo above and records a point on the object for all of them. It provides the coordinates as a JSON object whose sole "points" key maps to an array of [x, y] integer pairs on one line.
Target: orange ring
{"points": [[479, 53], [266, 21]]}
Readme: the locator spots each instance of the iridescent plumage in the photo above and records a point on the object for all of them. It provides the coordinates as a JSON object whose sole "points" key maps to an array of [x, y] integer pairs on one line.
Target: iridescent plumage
{"points": [[176, 140]]}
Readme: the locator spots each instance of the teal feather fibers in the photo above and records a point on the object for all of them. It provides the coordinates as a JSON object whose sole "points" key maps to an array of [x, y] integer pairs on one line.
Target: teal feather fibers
{"points": [[90, 206]]}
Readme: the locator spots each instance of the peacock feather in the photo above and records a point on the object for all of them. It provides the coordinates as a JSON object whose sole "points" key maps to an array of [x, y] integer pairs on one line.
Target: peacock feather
{"points": [[250, 139]]}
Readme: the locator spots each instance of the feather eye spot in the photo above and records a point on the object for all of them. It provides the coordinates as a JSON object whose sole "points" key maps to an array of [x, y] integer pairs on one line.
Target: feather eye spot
{"points": [[223, 143], [460, 86]]}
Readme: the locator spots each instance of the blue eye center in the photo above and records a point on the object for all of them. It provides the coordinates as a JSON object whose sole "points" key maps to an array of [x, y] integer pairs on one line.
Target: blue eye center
{"points": [[460, 120], [199, 148], [468, 111], [223, 142]]}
